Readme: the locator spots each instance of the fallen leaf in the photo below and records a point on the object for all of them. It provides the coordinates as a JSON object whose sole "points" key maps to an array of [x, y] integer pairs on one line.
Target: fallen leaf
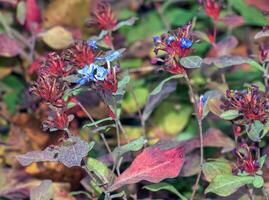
{"points": [[43, 191], [153, 164], [70, 153], [9, 47], [57, 37]]}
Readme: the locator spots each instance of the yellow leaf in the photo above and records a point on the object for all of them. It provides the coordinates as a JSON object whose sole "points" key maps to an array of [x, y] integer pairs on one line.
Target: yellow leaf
{"points": [[57, 37]]}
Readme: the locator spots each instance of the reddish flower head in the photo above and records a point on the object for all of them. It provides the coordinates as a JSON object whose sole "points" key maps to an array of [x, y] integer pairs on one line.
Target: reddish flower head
{"points": [[104, 17], [245, 160], [50, 89], [54, 65], [80, 54], [252, 104], [57, 120], [176, 45], [212, 9]]}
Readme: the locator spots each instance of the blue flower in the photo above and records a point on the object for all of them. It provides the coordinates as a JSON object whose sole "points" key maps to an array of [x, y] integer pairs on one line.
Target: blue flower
{"points": [[110, 56], [170, 39], [100, 74], [93, 72], [185, 43], [92, 44], [156, 39], [203, 99]]}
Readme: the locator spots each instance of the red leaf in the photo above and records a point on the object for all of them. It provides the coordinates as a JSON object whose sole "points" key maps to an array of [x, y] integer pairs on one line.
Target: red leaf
{"points": [[33, 16], [8, 46], [153, 164]]}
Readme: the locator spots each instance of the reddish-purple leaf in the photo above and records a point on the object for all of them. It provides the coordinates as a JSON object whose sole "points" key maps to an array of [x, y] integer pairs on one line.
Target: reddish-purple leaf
{"points": [[154, 164], [223, 47], [33, 16], [260, 4], [8, 46], [232, 20], [212, 138]]}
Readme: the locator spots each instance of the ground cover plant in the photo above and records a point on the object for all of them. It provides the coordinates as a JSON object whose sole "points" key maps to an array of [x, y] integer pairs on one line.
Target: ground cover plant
{"points": [[134, 99]]}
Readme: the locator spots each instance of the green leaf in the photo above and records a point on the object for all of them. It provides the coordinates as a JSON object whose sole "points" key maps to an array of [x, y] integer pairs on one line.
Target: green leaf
{"points": [[258, 182], [130, 103], [255, 65], [255, 130], [226, 61], [178, 16], [265, 128], [161, 84], [262, 161], [229, 114], [131, 63], [191, 61], [164, 186], [91, 145], [99, 168], [97, 122], [171, 119], [217, 167], [21, 12], [122, 85], [225, 185], [251, 15], [141, 29], [134, 145]]}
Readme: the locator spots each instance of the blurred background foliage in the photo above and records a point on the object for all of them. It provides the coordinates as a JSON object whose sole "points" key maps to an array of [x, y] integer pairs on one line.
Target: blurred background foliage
{"points": [[20, 124]]}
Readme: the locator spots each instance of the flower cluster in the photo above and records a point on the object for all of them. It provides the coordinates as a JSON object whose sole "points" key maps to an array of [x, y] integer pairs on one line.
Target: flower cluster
{"points": [[252, 104], [246, 162], [104, 17], [176, 44], [81, 63]]}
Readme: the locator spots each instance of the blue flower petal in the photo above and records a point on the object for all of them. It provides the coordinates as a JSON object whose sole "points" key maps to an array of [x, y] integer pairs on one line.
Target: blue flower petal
{"points": [[185, 43], [92, 44], [170, 39]]}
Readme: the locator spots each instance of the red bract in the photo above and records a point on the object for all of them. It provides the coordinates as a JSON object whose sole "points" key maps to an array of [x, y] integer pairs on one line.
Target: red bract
{"points": [[252, 104], [50, 89], [153, 164], [212, 9], [58, 120], [33, 16], [173, 67], [80, 54], [53, 65], [245, 160], [105, 19], [111, 82]]}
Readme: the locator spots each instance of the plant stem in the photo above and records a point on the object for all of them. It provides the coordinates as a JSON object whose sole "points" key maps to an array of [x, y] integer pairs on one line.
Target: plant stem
{"points": [[199, 121], [92, 120]]}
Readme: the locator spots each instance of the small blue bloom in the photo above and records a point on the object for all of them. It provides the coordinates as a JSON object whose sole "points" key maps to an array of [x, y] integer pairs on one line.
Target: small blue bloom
{"points": [[93, 72], [170, 39], [203, 99], [110, 56], [100, 74], [185, 43], [156, 39], [92, 44]]}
